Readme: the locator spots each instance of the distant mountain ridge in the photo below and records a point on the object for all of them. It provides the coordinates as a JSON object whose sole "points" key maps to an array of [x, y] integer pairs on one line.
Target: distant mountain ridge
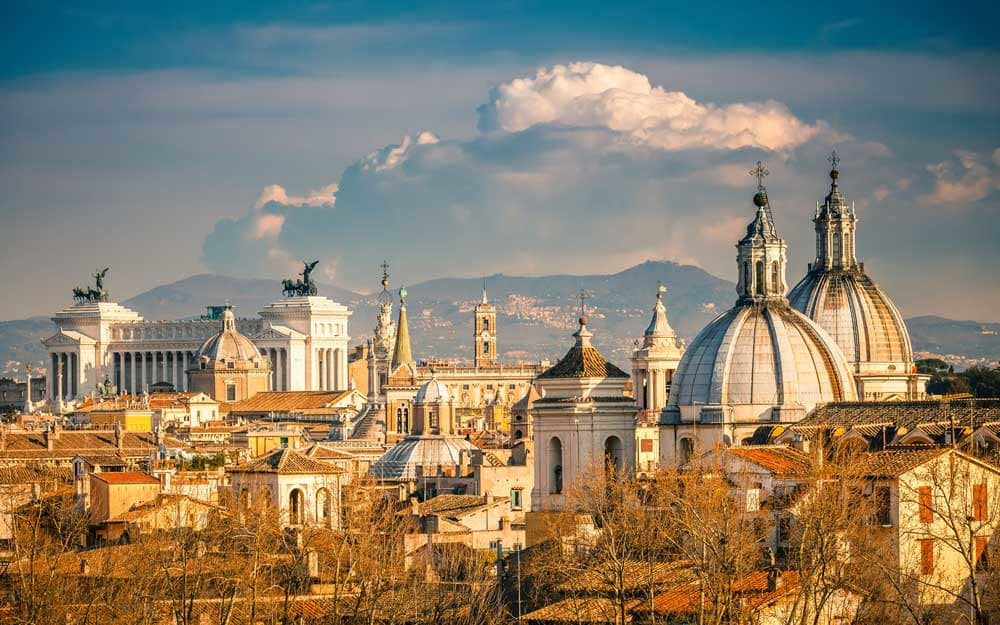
{"points": [[536, 315]]}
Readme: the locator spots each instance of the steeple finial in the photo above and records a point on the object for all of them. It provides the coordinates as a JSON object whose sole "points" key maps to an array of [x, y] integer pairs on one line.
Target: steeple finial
{"points": [[584, 296], [759, 173], [385, 275], [485, 299]]}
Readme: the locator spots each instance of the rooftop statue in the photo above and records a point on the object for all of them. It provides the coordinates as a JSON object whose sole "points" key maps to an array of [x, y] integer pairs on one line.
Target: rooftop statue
{"points": [[96, 294], [304, 286]]}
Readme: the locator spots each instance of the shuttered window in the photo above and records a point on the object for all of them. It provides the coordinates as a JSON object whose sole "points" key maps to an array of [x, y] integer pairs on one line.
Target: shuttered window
{"points": [[926, 557], [926, 500], [980, 507]]}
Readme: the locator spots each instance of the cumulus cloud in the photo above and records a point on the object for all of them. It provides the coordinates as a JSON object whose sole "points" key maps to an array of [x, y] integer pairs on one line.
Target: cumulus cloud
{"points": [[535, 194], [613, 97], [967, 179]]}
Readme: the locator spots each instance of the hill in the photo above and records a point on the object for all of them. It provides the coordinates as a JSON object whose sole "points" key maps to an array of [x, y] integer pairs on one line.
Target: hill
{"points": [[536, 315]]}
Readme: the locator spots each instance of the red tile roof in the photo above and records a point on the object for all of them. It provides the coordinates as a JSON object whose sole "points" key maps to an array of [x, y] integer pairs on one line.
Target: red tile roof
{"points": [[126, 477], [288, 401], [780, 460]]}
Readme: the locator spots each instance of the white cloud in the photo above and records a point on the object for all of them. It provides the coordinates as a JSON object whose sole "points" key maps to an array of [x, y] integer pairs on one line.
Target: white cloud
{"points": [[881, 192], [976, 176], [393, 156], [277, 193], [585, 94]]}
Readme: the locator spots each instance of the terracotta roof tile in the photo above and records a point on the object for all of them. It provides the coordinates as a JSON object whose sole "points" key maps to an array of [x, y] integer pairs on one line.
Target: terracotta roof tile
{"points": [[780, 460], [579, 610], [583, 362], [895, 462], [287, 401], [126, 477], [286, 460]]}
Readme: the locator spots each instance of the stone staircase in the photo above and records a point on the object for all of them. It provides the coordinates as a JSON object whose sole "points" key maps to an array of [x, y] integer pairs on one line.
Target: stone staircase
{"points": [[366, 424]]}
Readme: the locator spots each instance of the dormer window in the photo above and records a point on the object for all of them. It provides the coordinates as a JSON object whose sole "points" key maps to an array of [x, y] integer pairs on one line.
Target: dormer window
{"points": [[230, 365]]}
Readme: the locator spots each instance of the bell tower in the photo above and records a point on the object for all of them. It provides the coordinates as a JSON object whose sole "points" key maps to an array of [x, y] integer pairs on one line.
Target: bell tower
{"points": [[484, 338]]}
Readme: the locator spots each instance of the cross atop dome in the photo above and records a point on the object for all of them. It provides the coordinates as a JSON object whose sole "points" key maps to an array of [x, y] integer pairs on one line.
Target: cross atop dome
{"points": [[759, 173]]}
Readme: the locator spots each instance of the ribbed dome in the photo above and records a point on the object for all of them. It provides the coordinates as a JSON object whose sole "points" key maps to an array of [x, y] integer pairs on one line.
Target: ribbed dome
{"points": [[762, 355], [402, 460], [856, 313], [433, 391], [228, 345]]}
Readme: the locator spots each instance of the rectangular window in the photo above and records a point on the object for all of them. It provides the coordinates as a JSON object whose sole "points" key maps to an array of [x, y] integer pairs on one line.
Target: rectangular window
{"points": [[515, 499], [465, 387], [926, 503], [511, 386], [926, 556], [982, 553], [980, 509], [646, 445], [753, 499]]}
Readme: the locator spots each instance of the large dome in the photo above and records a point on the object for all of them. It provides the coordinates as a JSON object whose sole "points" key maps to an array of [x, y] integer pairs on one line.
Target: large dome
{"points": [[857, 313], [228, 346], [765, 355], [838, 295]]}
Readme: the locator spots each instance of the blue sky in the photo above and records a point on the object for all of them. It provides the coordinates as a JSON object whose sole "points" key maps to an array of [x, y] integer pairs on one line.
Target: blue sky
{"points": [[495, 137]]}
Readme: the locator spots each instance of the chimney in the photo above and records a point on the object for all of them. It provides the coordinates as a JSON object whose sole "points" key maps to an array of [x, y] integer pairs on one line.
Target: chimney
{"points": [[119, 437], [414, 506], [488, 498], [49, 439], [84, 567]]}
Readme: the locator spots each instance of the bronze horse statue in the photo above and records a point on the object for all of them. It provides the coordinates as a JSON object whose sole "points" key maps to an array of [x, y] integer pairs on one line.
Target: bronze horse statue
{"points": [[304, 286], [96, 294]]}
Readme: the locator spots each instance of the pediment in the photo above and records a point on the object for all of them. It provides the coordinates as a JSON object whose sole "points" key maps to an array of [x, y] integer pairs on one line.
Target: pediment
{"points": [[67, 338]]}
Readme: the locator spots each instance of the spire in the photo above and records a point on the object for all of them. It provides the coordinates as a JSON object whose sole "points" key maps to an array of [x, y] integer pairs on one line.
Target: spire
{"points": [[659, 327], [402, 354], [485, 298], [761, 255]]}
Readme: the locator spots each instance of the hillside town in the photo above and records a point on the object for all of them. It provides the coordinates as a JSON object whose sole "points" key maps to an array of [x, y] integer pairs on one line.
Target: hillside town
{"points": [[787, 465]]}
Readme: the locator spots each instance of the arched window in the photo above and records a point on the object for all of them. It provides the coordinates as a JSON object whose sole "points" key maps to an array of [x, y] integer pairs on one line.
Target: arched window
{"points": [[486, 347], [323, 507], [759, 286], [775, 277], [432, 419], [747, 278], [837, 242], [613, 453], [555, 466], [486, 324], [230, 391], [296, 507]]}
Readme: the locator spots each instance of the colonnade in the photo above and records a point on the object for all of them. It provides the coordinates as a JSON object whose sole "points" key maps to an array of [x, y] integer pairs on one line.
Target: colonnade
{"points": [[279, 367], [136, 371], [65, 376], [331, 373]]}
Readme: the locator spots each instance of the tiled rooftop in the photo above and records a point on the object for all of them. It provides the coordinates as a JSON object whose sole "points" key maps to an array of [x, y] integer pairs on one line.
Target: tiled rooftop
{"points": [[583, 362], [285, 460]]}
